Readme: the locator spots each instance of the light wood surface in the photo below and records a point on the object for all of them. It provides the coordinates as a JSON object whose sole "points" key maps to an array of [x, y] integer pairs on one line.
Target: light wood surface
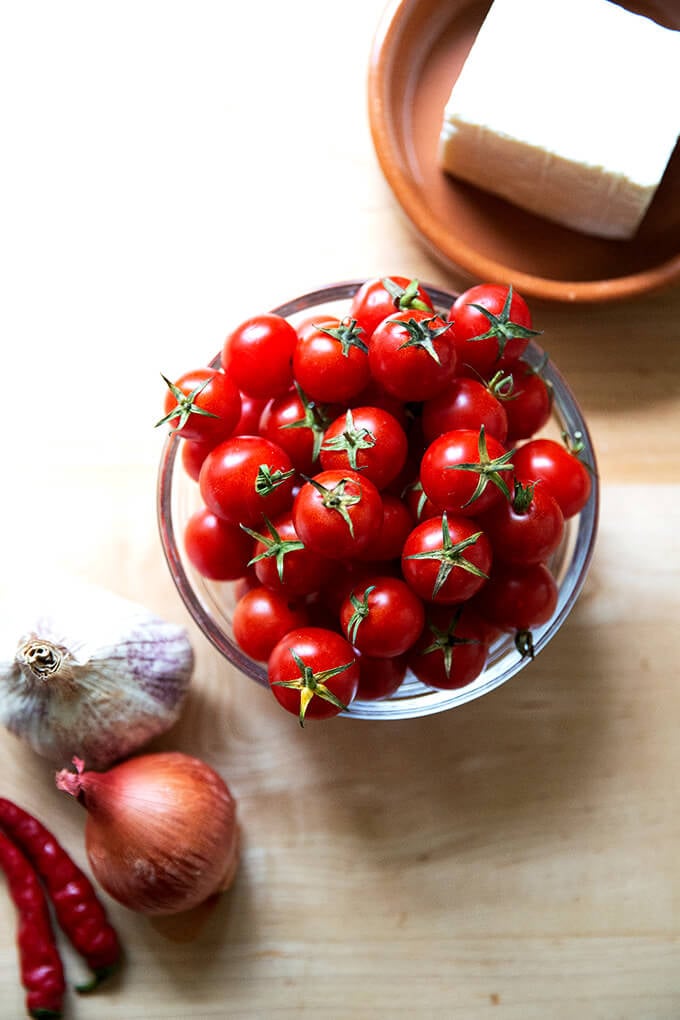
{"points": [[168, 170]]}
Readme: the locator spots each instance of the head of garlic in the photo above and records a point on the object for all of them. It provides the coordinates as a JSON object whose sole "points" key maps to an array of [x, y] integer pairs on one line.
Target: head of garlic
{"points": [[85, 672]]}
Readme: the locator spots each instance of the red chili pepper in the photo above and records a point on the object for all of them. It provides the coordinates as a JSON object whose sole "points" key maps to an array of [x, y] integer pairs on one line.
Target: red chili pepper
{"points": [[79, 912], [42, 973]]}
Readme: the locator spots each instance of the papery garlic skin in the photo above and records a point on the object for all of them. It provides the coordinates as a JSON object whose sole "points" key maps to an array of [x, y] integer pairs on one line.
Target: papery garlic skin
{"points": [[90, 673]]}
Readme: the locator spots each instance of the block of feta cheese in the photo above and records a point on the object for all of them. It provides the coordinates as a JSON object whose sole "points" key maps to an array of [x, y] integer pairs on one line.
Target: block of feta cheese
{"points": [[569, 109]]}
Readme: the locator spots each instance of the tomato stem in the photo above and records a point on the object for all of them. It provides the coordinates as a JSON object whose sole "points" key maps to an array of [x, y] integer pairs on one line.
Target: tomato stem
{"points": [[487, 469], [450, 555], [351, 440], [309, 683]]}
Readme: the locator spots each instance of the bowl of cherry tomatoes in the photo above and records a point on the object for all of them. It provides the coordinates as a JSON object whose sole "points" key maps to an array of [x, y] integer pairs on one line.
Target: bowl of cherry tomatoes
{"points": [[379, 499]]}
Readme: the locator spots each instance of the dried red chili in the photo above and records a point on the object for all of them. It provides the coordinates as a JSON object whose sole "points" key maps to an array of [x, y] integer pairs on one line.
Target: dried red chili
{"points": [[79, 912], [42, 973]]}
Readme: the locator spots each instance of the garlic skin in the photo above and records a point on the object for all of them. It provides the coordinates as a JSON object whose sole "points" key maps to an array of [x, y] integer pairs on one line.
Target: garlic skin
{"points": [[85, 672]]}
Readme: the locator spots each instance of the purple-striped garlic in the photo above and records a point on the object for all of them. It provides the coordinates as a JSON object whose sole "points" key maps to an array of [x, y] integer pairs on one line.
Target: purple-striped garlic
{"points": [[85, 672]]}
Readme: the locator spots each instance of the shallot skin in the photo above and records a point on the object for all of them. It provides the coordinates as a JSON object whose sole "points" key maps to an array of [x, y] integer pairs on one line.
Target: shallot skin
{"points": [[161, 835], [85, 672]]}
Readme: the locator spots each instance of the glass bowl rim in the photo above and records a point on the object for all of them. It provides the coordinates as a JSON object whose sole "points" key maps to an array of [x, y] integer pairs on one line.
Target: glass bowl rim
{"points": [[432, 700]]}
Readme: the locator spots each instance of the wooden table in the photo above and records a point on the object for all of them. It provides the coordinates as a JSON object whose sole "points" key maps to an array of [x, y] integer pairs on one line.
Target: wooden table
{"points": [[168, 170]]}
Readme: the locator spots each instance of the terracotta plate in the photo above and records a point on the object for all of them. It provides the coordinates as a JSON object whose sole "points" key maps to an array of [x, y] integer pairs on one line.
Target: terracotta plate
{"points": [[418, 51]]}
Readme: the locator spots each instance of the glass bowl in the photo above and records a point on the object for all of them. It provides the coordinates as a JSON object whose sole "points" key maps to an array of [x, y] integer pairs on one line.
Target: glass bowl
{"points": [[211, 603]]}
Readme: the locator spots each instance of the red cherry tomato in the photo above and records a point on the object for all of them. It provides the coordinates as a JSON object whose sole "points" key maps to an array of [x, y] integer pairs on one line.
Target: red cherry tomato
{"points": [[251, 410], [331, 363], [262, 617], [245, 478], [526, 529], [258, 355], [283, 563], [452, 649], [565, 477], [193, 453], [338, 513], [202, 405], [382, 617], [297, 424], [217, 549], [465, 404], [466, 471], [380, 678], [396, 525], [518, 599], [313, 673], [377, 298], [529, 404], [491, 328], [446, 559], [411, 355], [368, 440]]}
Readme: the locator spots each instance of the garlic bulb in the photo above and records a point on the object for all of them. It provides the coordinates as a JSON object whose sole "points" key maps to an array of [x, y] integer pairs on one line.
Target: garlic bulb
{"points": [[85, 672]]}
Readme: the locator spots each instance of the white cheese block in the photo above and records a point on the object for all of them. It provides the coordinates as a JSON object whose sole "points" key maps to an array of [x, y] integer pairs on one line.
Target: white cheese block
{"points": [[567, 108]]}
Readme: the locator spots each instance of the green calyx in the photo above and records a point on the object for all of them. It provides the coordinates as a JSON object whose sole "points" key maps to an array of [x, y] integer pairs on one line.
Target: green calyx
{"points": [[361, 610], [446, 641], [423, 334], [351, 440], [315, 418], [186, 405], [267, 480], [276, 548], [405, 297], [522, 496], [488, 470], [338, 499], [501, 386], [309, 683], [348, 335], [501, 327], [449, 556]]}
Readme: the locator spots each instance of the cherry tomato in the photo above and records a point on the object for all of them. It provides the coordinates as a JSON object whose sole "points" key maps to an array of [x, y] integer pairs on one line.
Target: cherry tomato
{"points": [[251, 410], [202, 405], [465, 404], [380, 678], [338, 513], [374, 395], [368, 440], [466, 471], [382, 617], [380, 297], [419, 505], [397, 523], [246, 477], [491, 328], [517, 599], [452, 650], [258, 355], [193, 453], [282, 562], [565, 477], [446, 559], [297, 424], [526, 529], [331, 363], [411, 355], [217, 549], [530, 402], [313, 673], [262, 617]]}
